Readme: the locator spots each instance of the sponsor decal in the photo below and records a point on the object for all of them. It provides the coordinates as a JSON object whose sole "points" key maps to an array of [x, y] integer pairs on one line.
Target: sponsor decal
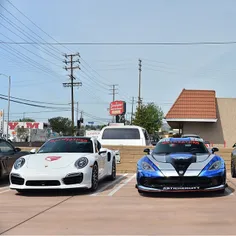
{"points": [[180, 142], [181, 188], [82, 140], [52, 158]]}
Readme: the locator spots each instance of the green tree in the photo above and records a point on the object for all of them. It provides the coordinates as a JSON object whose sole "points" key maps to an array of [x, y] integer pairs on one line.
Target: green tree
{"points": [[27, 119], [149, 117], [61, 124]]}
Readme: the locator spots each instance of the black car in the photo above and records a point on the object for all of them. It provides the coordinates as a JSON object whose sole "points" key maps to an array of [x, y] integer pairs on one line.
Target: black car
{"points": [[8, 155]]}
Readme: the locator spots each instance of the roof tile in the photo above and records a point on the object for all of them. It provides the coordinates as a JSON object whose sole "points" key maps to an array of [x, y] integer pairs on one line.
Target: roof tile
{"points": [[194, 104]]}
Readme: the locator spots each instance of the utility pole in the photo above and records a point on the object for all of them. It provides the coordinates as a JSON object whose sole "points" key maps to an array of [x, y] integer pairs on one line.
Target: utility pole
{"points": [[132, 112], [77, 114], [113, 96], [139, 86], [72, 84], [114, 91]]}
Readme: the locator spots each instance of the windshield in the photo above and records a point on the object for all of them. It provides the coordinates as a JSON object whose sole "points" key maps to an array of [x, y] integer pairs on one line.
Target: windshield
{"points": [[70, 145], [121, 133], [180, 147]]}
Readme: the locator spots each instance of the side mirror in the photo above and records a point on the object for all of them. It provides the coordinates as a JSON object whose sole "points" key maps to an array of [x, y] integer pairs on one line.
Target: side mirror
{"points": [[234, 145], [214, 149], [154, 143], [102, 151], [17, 149], [147, 150], [33, 151]]}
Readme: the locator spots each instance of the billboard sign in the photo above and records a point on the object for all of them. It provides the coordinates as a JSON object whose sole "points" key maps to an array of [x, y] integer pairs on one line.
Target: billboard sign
{"points": [[117, 108]]}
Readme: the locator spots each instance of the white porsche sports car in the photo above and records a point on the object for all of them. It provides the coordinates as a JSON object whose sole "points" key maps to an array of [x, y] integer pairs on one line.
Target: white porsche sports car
{"points": [[63, 163]]}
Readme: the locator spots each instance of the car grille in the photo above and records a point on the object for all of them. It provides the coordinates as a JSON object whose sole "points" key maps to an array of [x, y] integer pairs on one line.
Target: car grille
{"points": [[74, 178], [17, 180], [202, 182], [43, 183]]}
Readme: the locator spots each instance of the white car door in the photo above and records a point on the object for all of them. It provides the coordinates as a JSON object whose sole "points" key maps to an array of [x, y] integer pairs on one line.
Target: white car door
{"points": [[100, 158]]}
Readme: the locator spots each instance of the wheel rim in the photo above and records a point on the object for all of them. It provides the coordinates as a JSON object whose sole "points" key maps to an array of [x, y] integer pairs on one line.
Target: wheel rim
{"points": [[95, 177]]}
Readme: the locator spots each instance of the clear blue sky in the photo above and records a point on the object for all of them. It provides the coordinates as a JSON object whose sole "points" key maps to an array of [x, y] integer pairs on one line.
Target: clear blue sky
{"points": [[166, 70]]}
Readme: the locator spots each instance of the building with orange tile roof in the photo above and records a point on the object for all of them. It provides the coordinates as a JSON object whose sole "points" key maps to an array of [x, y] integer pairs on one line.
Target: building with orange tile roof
{"points": [[201, 112]]}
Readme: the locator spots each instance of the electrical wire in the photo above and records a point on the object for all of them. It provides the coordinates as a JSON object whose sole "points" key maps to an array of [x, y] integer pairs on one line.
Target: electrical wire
{"points": [[129, 43]]}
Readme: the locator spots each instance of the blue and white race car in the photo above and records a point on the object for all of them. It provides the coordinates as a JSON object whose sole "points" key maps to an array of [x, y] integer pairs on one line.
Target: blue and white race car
{"points": [[181, 164]]}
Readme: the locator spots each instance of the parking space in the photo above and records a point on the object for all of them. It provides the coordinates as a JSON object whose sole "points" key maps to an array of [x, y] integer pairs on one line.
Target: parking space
{"points": [[117, 209]]}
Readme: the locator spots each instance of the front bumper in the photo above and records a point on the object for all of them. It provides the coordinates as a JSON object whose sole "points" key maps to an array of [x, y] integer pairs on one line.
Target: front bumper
{"points": [[181, 184], [52, 181]]}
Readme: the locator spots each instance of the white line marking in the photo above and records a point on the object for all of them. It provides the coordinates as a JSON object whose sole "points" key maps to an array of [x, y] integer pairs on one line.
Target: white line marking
{"points": [[120, 186], [5, 191], [4, 187], [107, 186]]}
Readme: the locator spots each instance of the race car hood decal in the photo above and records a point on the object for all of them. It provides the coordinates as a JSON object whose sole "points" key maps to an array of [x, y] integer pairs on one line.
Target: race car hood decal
{"points": [[184, 156], [181, 164]]}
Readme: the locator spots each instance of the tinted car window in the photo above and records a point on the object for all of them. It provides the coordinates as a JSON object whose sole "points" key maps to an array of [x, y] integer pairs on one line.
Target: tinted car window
{"points": [[67, 145], [180, 147], [5, 147], [128, 133]]}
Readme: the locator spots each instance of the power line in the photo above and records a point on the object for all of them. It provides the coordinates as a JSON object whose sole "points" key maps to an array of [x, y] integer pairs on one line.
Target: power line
{"points": [[128, 43], [54, 48], [22, 99], [29, 104]]}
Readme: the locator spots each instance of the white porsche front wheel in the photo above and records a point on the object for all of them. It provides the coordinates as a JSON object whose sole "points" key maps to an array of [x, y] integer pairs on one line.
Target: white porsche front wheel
{"points": [[94, 178], [113, 170]]}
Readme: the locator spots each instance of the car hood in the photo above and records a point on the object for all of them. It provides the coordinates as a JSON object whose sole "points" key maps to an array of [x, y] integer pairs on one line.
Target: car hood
{"points": [[52, 160], [181, 156]]}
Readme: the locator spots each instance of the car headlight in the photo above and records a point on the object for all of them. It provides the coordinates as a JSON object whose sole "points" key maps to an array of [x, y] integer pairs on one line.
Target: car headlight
{"points": [[216, 165], [81, 162], [19, 163], [147, 166]]}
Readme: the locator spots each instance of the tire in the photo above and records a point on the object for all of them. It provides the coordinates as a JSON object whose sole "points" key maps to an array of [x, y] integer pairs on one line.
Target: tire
{"points": [[113, 172], [94, 178], [222, 191], [21, 191], [233, 172]]}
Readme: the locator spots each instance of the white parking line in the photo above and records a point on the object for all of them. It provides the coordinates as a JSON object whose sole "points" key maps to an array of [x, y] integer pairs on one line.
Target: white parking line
{"points": [[5, 191], [4, 187], [120, 186], [109, 185]]}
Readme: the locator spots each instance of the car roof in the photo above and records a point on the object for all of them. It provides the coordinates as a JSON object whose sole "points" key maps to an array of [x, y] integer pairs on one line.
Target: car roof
{"points": [[181, 139], [192, 135], [122, 127], [63, 137]]}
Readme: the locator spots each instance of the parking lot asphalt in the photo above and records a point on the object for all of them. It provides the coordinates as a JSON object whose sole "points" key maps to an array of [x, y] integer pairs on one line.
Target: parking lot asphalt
{"points": [[117, 209]]}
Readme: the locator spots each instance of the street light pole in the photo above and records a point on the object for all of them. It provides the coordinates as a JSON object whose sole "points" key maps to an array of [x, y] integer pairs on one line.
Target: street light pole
{"points": [[8, 109]]}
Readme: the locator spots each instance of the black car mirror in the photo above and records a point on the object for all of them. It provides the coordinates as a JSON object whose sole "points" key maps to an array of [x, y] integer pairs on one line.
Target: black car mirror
{"points": [[102, 151], [17, 149], [215, 149], [147, 150], [234, 145]]}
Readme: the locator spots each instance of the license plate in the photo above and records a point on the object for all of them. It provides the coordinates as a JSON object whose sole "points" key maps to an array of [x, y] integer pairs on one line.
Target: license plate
{"points": [[181, 188]]}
